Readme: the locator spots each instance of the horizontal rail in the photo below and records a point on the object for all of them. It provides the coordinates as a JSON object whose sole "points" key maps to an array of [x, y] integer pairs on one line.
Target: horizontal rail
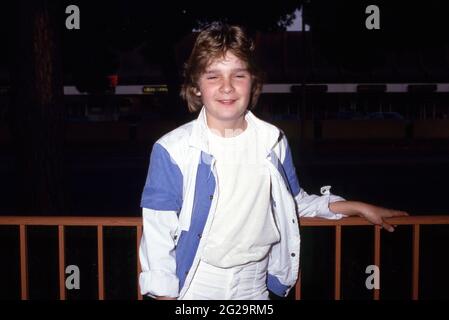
{"points": [[72, 221], [357, 221], [137, 221]]}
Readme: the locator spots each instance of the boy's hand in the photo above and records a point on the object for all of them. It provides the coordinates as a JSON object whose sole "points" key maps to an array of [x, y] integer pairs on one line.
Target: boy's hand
{"points": [[373, 214], [376, 215]]}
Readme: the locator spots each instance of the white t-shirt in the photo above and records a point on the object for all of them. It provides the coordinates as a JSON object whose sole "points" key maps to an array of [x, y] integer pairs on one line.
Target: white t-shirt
{"points": [[243, 228]]}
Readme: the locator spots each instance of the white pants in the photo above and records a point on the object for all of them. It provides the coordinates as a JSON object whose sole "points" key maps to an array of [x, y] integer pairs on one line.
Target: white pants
{"points": [[247, 282]]}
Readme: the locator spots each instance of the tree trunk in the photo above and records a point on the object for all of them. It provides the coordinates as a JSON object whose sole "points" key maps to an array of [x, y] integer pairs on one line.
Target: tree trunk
{"points": [[37, 113]]}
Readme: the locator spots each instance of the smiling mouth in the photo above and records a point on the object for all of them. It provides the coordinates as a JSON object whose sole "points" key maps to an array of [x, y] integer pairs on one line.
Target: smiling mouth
{"points": [[227, 101]]}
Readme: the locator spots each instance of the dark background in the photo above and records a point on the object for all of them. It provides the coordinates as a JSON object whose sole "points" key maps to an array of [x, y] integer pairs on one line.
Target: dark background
{"points": [[85, 153]]}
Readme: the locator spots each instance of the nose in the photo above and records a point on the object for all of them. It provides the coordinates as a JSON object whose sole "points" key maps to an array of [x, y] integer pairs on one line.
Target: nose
{"points": [[226, 86]]}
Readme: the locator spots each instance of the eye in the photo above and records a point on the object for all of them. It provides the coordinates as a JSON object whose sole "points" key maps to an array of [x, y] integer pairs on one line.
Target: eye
{"points": [[211, 77], [240, 75]]}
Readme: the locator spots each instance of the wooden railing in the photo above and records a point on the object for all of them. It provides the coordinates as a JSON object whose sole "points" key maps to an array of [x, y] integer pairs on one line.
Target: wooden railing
{"points": [[101, 222], [414, 221], [61, 223]]}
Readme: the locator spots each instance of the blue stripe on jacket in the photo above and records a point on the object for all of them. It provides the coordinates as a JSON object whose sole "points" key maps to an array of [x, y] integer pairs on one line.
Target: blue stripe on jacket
{"points": [[163, 187], [275, 286], [189, 241], [287, 171]]}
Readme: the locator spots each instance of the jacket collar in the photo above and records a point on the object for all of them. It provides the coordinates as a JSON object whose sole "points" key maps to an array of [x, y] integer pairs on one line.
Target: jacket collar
{"points": [[268, 134]]}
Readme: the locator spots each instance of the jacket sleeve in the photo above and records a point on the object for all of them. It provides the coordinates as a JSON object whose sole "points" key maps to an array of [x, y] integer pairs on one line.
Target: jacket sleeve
{"points": [[161, 202], [307, 205]]}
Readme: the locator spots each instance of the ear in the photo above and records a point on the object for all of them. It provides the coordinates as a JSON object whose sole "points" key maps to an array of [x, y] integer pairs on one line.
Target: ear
{"points": [[197, 92]]}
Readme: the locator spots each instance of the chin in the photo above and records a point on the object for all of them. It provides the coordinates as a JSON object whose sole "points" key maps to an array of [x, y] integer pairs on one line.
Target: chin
{"points": [[230, 115]]}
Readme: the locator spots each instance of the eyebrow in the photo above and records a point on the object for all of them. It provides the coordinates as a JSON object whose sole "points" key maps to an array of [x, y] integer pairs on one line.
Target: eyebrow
{"points": [[233, 70]]}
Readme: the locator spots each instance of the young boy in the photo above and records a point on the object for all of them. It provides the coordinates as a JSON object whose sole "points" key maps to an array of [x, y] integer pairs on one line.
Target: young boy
{"points": [[222, 199]]}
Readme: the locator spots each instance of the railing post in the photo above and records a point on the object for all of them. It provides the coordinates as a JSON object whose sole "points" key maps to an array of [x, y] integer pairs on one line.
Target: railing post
{"points": [[298, 287], [100, 262], [376, 294], [23, 263], [415, 267], [61, 256], [337, 293]]}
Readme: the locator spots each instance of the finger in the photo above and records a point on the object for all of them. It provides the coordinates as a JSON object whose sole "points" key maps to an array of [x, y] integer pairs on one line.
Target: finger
{"points": [[397, 213], [388, 227]]}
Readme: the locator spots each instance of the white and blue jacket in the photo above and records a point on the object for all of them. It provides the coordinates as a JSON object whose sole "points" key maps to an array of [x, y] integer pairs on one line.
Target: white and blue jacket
{"points": [[179, 202]]}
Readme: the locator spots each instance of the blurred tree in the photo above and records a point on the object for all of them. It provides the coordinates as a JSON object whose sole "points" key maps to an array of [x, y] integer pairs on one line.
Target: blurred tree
{"points": [[37, 111]]}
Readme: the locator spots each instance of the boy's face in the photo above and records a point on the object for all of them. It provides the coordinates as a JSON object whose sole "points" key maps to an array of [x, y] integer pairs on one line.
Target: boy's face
{"points": [[225, 89]]}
